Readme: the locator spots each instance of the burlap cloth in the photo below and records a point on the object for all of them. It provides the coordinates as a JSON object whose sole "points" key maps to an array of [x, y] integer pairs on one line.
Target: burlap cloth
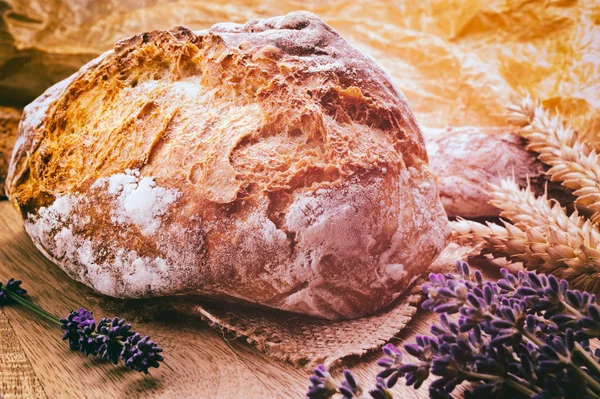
{"points": [[306, 341]]}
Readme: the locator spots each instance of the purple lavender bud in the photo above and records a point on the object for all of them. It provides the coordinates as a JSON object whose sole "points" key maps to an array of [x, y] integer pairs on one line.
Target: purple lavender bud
{"points": [[559, 346], [505, 285], [446, 292], [428, 303], [574, 298], [322, 385], [437, 330], [438, 393], [321, 371], [386, 373], [534, 280], [449, 308], [380, 391], [350, 379], [466, 324], [502, 324], [530, 323], [394, 379], [475, 336], [392, 351], [478, 277], [408, 368], [563, 286], [526, 291], [473, 300], [71, 325], [13, 286], [553, 282], [569, 340], [488, 294], [508, 314], [458, 265], [140, 353], [413, 349], [385, 362]]}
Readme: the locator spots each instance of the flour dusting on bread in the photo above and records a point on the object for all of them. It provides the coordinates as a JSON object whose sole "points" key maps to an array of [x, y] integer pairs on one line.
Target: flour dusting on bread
{"points": [[269, 162], [55, 229], [138, 199]]}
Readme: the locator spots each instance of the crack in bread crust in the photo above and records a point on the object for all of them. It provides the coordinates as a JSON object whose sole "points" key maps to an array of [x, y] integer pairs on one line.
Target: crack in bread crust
{"points": [[241, 124]]}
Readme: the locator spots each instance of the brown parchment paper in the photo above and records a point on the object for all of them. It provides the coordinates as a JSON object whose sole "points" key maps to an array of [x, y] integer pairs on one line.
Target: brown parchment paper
{"points": [[457, 61]]}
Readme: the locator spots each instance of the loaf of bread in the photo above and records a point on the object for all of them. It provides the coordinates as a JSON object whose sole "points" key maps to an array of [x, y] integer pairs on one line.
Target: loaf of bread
{"points": [[9, 121], [466, 159], [269, 163]]}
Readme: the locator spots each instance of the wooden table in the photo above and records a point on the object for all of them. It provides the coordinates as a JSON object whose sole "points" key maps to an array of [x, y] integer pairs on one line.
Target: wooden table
{"points": [[199, 361]]}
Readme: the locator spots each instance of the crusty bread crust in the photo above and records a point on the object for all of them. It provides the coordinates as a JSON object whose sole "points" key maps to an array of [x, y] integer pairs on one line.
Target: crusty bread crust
{"points": [[269, 162], [9, 120], [467, 159]]}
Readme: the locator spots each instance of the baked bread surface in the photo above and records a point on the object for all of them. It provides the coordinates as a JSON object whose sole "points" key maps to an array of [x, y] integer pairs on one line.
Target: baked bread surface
{"points": [[9, 120], [269, 162]]}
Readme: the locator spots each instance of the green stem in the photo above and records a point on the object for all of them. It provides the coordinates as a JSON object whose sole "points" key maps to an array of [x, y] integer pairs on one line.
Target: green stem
{"points": [[589, 361], [520, 387], [591, 380], [532, 338], [508, 381], [43, 314], [571, 309], [32, 307]]}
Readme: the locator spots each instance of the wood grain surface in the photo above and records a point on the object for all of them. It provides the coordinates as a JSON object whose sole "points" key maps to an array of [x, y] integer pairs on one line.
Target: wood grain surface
{"points": [[199, 361]]}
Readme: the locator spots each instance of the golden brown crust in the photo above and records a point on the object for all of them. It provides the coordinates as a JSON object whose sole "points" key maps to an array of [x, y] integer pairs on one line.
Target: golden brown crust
{"points": [[269, 162], [9, 121]]}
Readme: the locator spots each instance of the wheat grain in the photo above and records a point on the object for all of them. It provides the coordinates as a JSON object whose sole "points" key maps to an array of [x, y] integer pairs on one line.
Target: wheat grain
{"points": [[543, 236], [524, 210], [572, 161]]}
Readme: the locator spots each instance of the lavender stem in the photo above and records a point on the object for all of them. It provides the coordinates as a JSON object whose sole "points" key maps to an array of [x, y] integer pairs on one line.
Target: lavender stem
{"points": [[32, 307], [589, 361]]}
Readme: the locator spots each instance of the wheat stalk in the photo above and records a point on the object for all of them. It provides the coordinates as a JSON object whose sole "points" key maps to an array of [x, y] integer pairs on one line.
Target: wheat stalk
{"points": [[572, 162], [543, 236], [524, 210]]}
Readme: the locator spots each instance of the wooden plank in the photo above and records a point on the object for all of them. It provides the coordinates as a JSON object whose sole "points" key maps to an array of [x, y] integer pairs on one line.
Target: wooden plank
{"points": [[17, 378], [199, 361]]}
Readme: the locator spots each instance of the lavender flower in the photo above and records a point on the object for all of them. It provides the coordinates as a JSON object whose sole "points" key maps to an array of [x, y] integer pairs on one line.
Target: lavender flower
{"points": [[381, 391], [524, 336], [111, 339], [322, 385], [76, 320], [110, 335], [13, 286], [140, 353], [391, 363]]}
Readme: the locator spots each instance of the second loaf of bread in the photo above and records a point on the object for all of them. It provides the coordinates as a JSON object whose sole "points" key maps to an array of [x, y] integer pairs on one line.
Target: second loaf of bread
{"points": [[269, 162]]}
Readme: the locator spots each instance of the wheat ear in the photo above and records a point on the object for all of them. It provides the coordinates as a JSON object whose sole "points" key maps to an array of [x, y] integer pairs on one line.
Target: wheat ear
{"points": [[572, 161], [543, 236]]}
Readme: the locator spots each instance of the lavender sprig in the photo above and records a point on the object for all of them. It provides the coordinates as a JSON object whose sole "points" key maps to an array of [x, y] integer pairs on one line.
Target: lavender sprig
{"points": [[111, 339], [522, 336], [12, 285]]}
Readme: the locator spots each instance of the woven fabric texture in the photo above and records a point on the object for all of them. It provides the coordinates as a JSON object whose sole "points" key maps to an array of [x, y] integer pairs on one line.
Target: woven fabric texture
{"points": [[305, 341]]}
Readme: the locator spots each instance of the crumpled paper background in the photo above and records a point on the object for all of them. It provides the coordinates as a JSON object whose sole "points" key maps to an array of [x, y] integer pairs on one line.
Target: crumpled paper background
{"points": [[457, 61]]}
